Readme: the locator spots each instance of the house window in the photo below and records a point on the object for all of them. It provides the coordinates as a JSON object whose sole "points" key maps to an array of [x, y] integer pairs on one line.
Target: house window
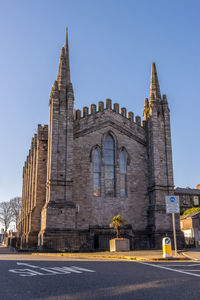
{"points": [[123, 173], [184, 200], [96, 159], [109, 166], [196, 200]]}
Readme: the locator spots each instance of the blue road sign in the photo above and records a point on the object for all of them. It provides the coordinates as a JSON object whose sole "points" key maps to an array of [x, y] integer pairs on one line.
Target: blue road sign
{"points": [[172, 204], [172, 199]]}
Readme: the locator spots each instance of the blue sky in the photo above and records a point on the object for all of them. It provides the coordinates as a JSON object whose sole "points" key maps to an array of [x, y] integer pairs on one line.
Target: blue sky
{"points": [[112, 46]]}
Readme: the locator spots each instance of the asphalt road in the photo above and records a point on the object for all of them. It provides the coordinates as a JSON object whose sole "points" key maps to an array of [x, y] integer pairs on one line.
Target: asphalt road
{"points": [[85, 280]]}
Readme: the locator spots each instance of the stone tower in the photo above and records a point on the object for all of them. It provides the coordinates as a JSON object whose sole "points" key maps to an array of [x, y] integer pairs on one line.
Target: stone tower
{"points": [[58, 214], [159, 149]]}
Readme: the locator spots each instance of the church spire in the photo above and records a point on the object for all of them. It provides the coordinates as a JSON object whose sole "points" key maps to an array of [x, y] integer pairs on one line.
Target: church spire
{"points": [[63, 77], [67, 57], [154, 84]]}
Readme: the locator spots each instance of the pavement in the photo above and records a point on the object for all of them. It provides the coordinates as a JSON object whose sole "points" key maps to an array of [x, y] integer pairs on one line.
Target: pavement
{"points": [[140, 255], [193, 253], [137, 255], [7, 250]]}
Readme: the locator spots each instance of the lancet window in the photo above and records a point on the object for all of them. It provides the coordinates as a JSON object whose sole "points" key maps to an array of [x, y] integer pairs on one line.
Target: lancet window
{"points": [[109, 166], [96, 159], [123, 173]]}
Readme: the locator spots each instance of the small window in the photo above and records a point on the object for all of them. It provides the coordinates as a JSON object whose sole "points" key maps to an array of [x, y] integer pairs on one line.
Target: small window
{"points": [[196, 201], [123, 173], [96, 159]]}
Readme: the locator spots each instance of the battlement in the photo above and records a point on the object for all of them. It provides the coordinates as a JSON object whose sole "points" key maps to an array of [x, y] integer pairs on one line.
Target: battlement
{"points": [[42, 135], [101, 108], [42, 132]]}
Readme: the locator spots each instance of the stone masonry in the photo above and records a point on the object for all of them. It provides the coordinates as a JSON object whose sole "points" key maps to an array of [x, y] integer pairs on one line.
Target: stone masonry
{"points": [[33, 191], [61, 209]]}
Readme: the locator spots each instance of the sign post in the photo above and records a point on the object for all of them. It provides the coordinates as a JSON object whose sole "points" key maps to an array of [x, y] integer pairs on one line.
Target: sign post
{"points": [[172, 206], [174, 230]]}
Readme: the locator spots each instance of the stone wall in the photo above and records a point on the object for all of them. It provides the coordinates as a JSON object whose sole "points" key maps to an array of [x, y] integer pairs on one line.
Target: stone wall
{"points": [[34, 191], [98, 210]]}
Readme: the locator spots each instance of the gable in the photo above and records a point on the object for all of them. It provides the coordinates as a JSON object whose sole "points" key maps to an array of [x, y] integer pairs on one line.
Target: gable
{"points": [[107, 118]]}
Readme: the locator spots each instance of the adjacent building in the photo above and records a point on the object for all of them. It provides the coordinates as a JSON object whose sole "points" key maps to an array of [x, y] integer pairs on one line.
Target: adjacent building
{"points": [[190, 225], [188, 197]]}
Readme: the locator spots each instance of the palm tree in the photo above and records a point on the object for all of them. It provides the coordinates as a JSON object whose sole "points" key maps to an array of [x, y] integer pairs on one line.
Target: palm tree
{"points": [[117, 221]]}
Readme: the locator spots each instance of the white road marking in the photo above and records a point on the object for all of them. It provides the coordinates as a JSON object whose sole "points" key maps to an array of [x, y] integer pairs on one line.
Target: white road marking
{"points": [[82, 269], [192, 270], [25, 272], [193, 265], [28, 265], [166, 268], [67, 269], [47, 270], [61, 270]]}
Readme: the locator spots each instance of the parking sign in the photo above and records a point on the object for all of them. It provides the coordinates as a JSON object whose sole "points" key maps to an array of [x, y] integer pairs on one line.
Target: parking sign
{"points": [[172, 204]]}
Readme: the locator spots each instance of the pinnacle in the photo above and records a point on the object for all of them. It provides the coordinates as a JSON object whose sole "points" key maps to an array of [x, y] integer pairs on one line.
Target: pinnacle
{"points": [[63, 77], [55, 86], [154, 84], [66, 39], [67, 56]]}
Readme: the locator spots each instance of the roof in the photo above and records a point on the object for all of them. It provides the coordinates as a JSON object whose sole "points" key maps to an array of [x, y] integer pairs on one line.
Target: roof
{"points": [[183, 191], [189, 216]]}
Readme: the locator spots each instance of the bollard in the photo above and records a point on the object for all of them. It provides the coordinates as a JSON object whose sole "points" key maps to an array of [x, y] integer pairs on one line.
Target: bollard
{"points": [[167, 247]]}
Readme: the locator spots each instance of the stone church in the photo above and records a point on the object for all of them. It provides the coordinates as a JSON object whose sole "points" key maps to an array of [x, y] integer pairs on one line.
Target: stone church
{"points": [[87, 166]]}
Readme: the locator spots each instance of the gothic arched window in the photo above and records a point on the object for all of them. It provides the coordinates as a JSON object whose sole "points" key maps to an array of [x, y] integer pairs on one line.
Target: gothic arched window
{"points": [[123, 173], [109, 166], [96, 160]]}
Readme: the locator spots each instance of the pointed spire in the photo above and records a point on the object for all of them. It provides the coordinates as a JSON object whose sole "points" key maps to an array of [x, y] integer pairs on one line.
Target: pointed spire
{"points": [[63, 77], [154, 84], [67, 57]]}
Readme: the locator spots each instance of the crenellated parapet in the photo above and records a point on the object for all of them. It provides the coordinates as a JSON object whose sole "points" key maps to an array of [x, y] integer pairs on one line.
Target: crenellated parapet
{"points": [[42, 132], [108, 114], [102, 108]]}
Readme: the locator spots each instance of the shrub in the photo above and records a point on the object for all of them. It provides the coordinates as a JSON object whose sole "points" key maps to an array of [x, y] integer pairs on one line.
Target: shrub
{"points": [[117, 221], [191, 211]]}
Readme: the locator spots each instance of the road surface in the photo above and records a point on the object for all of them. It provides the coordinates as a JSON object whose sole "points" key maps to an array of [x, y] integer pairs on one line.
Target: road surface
{"points": [[85, 280]]}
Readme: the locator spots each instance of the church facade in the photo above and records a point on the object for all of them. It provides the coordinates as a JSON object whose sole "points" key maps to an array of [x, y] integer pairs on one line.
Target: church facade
{"points": [[86, 167]]}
